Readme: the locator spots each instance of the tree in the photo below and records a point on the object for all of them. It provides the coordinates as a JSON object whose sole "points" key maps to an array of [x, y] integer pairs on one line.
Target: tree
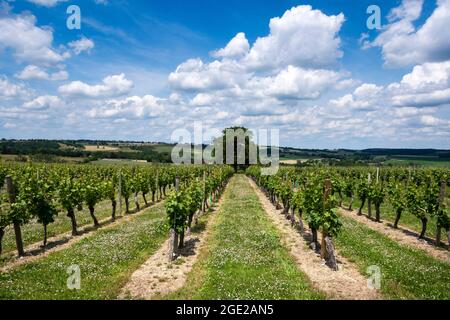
{"points": [[242, 140]]}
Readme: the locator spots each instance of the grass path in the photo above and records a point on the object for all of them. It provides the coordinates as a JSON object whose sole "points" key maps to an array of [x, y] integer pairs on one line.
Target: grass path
{"points": [[244, 257], [158, 277], [106, 260], [406, 273], [400, 235], [388, 214], [346, 283]]}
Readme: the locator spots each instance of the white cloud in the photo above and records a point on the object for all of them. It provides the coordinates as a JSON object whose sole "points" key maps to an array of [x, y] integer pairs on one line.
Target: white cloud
{"points": [[29, 42], [366, 97], [402, 44], [10, 90], [426, 85], [237, 47], [46, 3], [84, 44], [43, 103], [429, 120], [31, 72], [202, 99], [129, 108], [302, 37], [294, 83], [434, 98], [194, 75], [9, 125], [112, 86], [289, 63]]}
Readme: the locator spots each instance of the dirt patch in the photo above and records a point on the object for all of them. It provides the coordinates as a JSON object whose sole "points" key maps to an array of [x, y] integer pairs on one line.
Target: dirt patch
{"points": [[401, 235], [100, 148], [347, 283], [60, 242], [158, 277]]}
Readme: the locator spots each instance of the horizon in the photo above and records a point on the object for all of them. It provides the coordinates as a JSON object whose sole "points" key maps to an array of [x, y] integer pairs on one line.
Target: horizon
{"points": [[205, 144], [137, 71]]}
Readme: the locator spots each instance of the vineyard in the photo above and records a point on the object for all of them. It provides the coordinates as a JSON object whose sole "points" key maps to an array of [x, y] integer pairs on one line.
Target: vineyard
{"points": [[204, 232]]}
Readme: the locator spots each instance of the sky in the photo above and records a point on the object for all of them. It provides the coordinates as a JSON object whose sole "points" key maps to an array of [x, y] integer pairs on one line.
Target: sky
{"points": [[139, 70]]}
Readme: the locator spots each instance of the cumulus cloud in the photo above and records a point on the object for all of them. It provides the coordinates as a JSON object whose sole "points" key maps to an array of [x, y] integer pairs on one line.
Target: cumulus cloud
{"points": [[43, 103], [365, 97], [295, 83], [9, 90], [403, 44], [32, 72], [84, 44], [29, 42], [115, 85], [302, 37], [294, 61], [46, 3], [429, 120], [132, 107], [194, 75], [426, 85], [203, 99], [237, 47]]}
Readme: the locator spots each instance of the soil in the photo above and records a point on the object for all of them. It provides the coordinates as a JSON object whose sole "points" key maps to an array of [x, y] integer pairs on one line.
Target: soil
{"points": [[345, 284], [402, 235], [158, 276], [65, 240]]}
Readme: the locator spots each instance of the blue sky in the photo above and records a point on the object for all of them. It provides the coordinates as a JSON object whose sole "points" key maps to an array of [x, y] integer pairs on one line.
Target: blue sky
{"points": [[138, 70]]}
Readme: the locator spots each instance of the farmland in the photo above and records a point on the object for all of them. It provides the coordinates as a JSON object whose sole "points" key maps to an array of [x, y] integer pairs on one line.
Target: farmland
{"points": [[233, 235]]}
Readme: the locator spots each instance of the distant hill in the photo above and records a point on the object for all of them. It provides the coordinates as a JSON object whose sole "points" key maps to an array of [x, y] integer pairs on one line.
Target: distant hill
{"points": [[91, 150]]}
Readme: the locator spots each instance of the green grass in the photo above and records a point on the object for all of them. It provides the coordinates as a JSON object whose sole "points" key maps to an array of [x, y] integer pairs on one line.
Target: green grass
{"points": [[106, 260], [419, 161], [33, 232], [406, 273], [245, 258]]}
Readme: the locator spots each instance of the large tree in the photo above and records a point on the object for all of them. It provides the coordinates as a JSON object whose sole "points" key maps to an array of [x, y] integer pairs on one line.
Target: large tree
{"points": [[242, 151]]}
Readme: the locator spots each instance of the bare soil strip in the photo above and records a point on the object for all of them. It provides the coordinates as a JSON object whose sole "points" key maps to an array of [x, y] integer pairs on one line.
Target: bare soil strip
{"points": [[158, 277], [401, 235], [65, 240], [347, 283]]}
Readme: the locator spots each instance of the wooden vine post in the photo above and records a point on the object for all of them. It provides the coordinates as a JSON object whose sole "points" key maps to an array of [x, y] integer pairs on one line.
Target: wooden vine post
{"points": [[157, 187], [16, 223], [120, 192], [327, 251], [204, 193], [438, 226], [369, 200], [326, 197], [173, 241]]}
